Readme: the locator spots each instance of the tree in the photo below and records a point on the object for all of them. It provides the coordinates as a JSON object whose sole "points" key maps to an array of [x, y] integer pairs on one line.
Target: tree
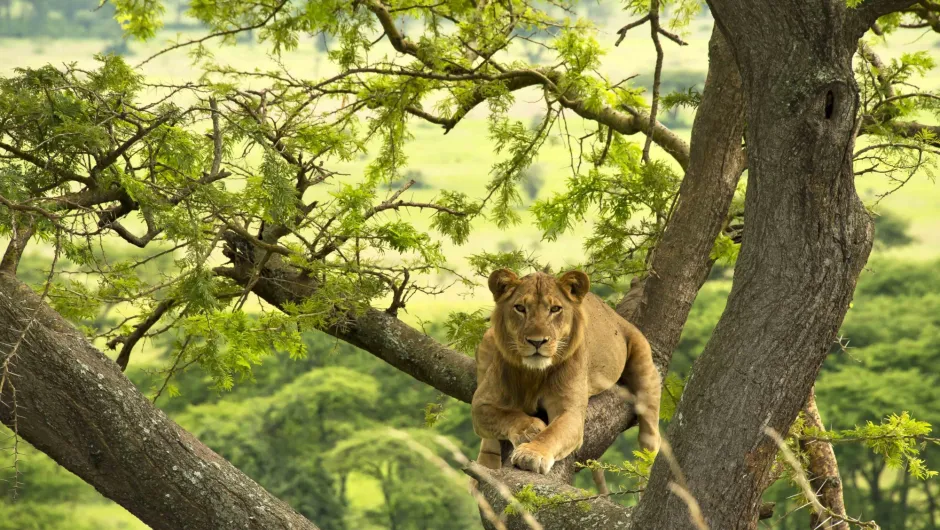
{"points": [[86, 159]]}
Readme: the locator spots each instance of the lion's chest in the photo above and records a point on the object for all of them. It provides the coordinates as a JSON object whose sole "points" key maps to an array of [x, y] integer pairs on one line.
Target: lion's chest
{"points": [[525, 389]]}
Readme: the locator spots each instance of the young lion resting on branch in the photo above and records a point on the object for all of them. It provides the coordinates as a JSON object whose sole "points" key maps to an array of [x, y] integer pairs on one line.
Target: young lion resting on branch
{"points": [[552, 345]]}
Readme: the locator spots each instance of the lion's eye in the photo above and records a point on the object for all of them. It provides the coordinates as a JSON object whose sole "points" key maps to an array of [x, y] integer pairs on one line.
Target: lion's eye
{"points": [[556, 308], [520, 308]]}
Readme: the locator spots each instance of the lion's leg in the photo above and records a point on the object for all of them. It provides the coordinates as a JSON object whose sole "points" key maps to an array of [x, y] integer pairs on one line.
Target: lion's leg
{"points": [[490, 456], [564, 434], [490, 453], [501, 423], [644, 382]]}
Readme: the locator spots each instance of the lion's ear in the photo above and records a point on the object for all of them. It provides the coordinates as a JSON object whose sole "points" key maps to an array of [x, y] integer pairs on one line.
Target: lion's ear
{"points": [[501, 281], [575, 284]]}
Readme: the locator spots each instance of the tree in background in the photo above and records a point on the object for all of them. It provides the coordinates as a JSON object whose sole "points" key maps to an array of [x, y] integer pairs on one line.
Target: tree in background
{"points": [[246, 174], [44, 19]]}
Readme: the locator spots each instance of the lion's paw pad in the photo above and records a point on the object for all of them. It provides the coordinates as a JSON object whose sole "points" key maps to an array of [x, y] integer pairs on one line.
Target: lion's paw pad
{"points": [[531, 459]]}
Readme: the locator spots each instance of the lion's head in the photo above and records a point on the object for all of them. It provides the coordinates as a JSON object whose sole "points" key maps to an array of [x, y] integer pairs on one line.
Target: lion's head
{"points": [[538, 320]]}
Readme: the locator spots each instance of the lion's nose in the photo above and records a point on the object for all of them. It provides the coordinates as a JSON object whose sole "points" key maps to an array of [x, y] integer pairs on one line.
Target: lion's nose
{"points": [[537, 342]]}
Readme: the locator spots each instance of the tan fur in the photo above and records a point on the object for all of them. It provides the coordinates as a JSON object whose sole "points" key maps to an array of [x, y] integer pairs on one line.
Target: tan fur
{"points": [[587, 349]]}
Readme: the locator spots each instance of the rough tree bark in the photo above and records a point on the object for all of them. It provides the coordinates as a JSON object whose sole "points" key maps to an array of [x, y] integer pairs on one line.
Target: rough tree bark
{"points": [[806, 238], [74, 404], [681, 263], [564, 515], [823, 472]]}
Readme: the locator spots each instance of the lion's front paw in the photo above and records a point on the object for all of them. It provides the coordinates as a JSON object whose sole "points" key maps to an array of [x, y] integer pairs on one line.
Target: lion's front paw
{"points": [[527, 433], [529, 457]]}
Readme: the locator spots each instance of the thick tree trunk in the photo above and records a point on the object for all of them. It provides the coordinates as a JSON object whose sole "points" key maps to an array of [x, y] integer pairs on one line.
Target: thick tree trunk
{"points": [[823, 472], [74, 404], [806, 238], [681, 262]]}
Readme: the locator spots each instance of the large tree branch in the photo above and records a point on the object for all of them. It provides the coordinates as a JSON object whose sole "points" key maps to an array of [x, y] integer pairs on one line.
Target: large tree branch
{"points": [[376, 332], [75, 405], [568, 513], [660, 305], [871, 10], [412, 352], [903, 129]]}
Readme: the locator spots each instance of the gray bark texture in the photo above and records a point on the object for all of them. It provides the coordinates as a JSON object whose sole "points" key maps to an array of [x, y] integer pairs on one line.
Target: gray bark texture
{"points": [[567, 513], [806, 238], [660, 304], [74, 404]]}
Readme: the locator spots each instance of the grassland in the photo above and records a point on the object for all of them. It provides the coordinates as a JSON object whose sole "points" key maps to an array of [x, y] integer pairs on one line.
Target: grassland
{"points": [[461, 161]]}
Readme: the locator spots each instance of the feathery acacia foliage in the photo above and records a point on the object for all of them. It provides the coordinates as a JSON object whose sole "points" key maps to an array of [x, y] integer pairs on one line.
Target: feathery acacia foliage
{"points": [[235, 175]]}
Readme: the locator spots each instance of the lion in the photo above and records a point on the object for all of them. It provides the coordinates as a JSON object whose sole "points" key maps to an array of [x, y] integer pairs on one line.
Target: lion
{"points": [[551, 345]]}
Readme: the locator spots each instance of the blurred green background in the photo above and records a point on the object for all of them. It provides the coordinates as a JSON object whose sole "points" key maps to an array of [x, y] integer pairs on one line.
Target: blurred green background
{"points": [[315, 431]]}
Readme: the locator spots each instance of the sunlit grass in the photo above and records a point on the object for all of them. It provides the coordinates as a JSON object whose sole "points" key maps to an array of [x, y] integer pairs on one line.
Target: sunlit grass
{"points": [[460, 161]]}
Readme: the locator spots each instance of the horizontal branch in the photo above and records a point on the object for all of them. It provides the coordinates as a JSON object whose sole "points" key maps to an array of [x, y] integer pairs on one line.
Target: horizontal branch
{"points": [[871, 10], [374, 331], [45, 165], [904, 129], [631, 122]]}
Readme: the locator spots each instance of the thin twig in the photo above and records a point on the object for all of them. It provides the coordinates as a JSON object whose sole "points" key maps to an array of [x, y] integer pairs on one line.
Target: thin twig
{"points": [[681, 488], [800, 476], [218, 34], [657, 76], [173, 369]]}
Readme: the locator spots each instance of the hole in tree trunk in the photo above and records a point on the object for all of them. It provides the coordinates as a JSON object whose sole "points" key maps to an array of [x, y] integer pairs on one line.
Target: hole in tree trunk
{"points": [[830, 104]]}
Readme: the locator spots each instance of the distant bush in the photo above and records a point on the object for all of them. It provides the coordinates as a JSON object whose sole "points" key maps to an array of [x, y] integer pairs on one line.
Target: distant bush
{"points": [[533, 180], [119, 47], [412, 174], [891, 230], [59, 19], [673, 80]]}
